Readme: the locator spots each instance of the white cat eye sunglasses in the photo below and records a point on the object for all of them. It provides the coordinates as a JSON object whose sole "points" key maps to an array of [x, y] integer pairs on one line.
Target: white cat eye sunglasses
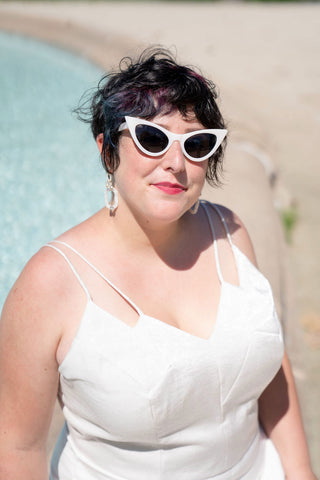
{"points": [[154, 140]]}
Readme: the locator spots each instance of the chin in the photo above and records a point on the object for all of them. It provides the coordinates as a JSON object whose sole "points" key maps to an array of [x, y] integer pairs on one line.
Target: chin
{"points": [[167, 212]]}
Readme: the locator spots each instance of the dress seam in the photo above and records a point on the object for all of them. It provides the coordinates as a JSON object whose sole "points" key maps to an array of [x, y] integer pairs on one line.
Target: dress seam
{"points": [[157, 435]]}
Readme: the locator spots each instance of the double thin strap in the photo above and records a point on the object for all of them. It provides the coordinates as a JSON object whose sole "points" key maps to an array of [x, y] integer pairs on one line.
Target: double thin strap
{"points": [[72, 268], [112, 285], [215, 246]]}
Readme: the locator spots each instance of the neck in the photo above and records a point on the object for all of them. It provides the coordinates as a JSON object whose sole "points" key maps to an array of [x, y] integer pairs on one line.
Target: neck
{"points": [[177, 244], [137, 235]]}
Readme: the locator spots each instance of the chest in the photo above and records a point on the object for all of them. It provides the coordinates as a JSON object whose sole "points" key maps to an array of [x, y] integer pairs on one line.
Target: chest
{"points": [[187, 299]]}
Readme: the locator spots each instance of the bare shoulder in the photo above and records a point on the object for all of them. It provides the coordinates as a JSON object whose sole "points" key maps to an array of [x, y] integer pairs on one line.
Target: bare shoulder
{"points": [[41, 278], [47, 284], [239, 234], [32, 304]]}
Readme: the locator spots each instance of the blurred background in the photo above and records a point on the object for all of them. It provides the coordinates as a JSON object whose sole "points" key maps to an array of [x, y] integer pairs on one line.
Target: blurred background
{"points": [[264, 58]]}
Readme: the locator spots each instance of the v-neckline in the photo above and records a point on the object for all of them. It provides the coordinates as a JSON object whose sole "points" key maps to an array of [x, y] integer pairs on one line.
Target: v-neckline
{"points": [[139, 323], [216, 327], [140, 314]]}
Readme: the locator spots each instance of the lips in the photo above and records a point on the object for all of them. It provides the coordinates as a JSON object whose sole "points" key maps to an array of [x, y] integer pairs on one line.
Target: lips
{"points": [[170, 188]]}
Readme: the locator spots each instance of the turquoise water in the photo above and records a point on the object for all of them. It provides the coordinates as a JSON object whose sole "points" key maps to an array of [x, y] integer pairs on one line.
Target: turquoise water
{"points": [[50, 173]]}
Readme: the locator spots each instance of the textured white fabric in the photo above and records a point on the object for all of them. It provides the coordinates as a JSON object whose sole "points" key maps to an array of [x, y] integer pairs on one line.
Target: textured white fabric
{"points": [[154, 402]]}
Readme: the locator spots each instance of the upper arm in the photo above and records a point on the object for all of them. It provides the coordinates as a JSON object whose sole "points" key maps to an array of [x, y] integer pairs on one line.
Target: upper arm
{"points": [[30, 331]]}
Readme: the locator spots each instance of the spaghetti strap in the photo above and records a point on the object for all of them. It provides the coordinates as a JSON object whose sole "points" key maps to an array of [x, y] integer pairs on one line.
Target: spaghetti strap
{"points": [[72, 268], [224, 223], [215, 247], [112, 285]]}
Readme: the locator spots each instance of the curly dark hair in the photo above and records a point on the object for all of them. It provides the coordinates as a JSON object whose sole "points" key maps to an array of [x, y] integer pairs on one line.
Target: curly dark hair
{"points": [[153, 84]]}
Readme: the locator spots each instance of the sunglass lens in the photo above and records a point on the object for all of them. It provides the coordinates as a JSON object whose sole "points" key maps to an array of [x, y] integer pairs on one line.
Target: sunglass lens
{"points": [[200, 145], [151, 138]]}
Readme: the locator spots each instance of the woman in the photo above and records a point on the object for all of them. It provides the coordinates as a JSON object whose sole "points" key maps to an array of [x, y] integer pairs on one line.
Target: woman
{"points": [[150, 320]]}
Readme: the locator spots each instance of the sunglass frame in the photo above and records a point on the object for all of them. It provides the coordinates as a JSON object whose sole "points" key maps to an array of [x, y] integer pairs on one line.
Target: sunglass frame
{"points": [[131, 122]]}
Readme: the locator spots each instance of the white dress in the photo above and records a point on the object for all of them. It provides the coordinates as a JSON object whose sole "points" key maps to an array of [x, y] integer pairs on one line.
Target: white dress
{"points": [[156, 403]]}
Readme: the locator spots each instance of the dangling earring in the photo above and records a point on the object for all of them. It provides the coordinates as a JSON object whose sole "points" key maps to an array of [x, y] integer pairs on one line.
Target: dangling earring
{"points": [[193, 210], [110, 194]]}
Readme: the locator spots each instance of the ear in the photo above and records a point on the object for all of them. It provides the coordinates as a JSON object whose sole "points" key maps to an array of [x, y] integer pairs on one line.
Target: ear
{"points": [[99, 141]]}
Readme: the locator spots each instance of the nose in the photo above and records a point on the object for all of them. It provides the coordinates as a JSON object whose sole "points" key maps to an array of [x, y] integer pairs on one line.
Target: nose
{"points": [[174, 159]]}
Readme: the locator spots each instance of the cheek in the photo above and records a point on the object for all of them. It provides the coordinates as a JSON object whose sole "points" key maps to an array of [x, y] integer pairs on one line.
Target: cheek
{"points": [[132, 167], [197, 172], [129, 154]]}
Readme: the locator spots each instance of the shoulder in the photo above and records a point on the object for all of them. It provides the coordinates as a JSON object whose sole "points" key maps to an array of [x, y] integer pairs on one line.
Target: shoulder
{"points": [[226, 219], [48, 275], [43, 276], [37, 298]]}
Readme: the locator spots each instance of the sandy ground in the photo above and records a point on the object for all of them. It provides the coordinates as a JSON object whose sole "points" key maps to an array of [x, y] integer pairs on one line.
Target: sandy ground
{"points": [[265, 60]]}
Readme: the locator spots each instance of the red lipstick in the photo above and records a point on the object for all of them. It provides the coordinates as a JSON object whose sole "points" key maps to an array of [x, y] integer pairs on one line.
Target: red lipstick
{"points": [[170, 188]]}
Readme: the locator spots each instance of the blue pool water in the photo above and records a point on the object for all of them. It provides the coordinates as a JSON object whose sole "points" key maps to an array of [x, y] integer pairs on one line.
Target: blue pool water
{"points": [[50, 173]]}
